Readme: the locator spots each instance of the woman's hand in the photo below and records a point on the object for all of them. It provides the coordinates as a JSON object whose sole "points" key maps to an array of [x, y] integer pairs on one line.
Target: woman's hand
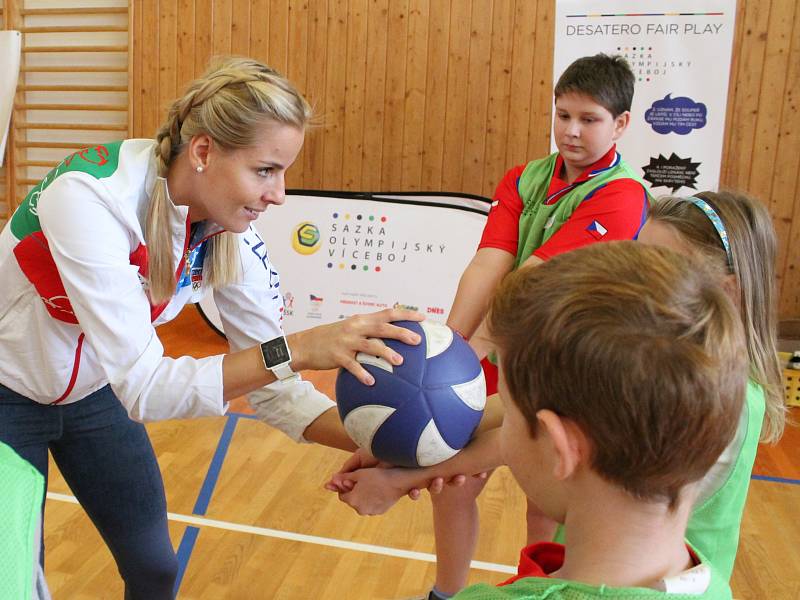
{"points": [[336, 345]]}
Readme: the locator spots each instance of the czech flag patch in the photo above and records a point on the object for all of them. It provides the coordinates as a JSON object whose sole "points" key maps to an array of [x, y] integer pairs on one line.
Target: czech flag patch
{"points": [[596, 230]]}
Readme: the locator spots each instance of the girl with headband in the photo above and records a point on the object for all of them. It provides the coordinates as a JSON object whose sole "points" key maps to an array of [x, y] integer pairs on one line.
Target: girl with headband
{"points": [[734, 233]]}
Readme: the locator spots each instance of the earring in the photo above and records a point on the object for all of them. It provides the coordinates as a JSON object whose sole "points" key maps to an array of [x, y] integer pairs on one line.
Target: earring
{"points": [[199, 169]]}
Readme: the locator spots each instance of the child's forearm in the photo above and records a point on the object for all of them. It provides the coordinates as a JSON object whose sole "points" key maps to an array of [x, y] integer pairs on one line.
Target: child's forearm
{"points": [[476, 287], [481, 455], [327, 429], [373, 491]]}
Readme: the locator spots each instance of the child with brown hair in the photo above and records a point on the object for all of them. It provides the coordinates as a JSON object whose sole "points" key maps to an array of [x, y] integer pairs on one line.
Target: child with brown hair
{"points": [[582, 194], [623, 373]]}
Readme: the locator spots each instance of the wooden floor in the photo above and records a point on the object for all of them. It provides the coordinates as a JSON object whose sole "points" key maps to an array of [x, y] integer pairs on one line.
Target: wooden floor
{"points": [[250, 520]]}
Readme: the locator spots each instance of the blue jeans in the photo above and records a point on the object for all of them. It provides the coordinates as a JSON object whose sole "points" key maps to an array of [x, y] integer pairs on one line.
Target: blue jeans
{"points": [[109, 464]]}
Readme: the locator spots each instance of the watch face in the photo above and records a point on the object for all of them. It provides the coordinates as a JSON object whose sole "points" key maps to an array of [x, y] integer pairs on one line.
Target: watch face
{"points": [[275, 352]]}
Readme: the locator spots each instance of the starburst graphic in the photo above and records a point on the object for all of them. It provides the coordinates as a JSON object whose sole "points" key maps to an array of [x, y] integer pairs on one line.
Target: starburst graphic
{"points": [[673, 172]]}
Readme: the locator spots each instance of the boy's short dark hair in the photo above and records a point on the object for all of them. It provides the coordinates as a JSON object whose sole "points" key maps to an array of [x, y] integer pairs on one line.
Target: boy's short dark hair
{"points": [[637, 345], [608, 80]]}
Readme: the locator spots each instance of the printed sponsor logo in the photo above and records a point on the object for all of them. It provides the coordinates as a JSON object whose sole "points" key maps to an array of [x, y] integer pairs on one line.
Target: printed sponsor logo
{"points": [[649, 64], [315, 310], [405, 306], [364, 242], [288, 304], [306, 238]]}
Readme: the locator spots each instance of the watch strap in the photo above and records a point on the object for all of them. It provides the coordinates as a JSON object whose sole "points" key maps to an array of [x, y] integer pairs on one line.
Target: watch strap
{"points": [[284, 372]]}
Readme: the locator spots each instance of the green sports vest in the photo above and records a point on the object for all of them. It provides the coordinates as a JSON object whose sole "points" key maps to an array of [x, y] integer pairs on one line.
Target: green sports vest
{"points": [[539, 221], [545, 588], [20, 505], [542, 588], [714, 525]]}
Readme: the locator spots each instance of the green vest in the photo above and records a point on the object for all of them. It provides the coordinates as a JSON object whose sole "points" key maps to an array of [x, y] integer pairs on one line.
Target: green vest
{"points": [[21, 505], [542, 588], [539, 221], [714, 525], [546, 588]]}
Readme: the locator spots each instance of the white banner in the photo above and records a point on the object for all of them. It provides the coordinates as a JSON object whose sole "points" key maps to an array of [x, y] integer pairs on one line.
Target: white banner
{"points": [[680, 52], [10, 47], [340, 254]]}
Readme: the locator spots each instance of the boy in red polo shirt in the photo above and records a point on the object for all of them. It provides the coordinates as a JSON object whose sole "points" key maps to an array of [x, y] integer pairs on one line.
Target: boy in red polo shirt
{"points": [[581, 194]]}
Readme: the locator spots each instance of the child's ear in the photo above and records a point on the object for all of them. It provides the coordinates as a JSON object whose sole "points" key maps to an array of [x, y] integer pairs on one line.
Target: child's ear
{"points": [[621, 124], [569, 442]]}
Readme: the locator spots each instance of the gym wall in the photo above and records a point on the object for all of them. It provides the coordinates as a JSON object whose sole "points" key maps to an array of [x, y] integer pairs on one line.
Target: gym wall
{"points": [[448, 94]]}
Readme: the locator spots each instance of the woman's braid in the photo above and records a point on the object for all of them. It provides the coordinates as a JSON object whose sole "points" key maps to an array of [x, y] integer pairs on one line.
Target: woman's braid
{"points": [[169, 137]]}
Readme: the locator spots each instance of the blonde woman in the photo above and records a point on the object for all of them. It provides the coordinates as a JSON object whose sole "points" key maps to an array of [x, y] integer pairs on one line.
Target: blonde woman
{"points": [[117, 239]]}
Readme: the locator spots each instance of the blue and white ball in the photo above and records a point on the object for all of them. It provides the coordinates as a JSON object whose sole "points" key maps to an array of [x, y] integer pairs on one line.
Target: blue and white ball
{"points": [[419, 413]]}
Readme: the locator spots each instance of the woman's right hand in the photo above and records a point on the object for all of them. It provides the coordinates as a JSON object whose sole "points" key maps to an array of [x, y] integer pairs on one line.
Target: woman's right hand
{"points": [[336, 345]]}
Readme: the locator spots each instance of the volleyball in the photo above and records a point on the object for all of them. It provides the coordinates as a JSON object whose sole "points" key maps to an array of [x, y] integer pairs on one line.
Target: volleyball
{"points": [[421, 412]]}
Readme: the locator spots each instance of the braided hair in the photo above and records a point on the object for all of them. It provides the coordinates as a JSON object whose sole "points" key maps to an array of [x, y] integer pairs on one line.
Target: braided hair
{"points": [[229, 103]]}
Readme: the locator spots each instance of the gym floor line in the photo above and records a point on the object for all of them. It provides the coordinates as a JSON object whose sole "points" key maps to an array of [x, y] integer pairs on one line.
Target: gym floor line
{"points": [[305, 538], [189, 538], [197, 519], [191, 533]]}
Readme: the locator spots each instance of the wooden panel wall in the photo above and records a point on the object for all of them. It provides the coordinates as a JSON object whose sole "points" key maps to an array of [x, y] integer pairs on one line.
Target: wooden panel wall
{"points": [[762, 142], [412, 94], [447, 94]]}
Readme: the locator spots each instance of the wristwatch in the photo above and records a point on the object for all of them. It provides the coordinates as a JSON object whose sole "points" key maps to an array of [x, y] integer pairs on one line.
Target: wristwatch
{"points": [[277, 358]]}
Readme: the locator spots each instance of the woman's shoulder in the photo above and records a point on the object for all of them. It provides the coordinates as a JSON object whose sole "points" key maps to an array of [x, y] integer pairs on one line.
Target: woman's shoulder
{"points": [[115, 175]]}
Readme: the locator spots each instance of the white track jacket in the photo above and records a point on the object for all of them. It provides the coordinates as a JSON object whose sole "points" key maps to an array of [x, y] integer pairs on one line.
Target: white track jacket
{"points": [[74, 309]]}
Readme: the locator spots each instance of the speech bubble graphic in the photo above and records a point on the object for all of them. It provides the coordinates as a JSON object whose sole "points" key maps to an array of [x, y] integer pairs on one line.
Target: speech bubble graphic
{"points": [[673, 172], [680, 115]]}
